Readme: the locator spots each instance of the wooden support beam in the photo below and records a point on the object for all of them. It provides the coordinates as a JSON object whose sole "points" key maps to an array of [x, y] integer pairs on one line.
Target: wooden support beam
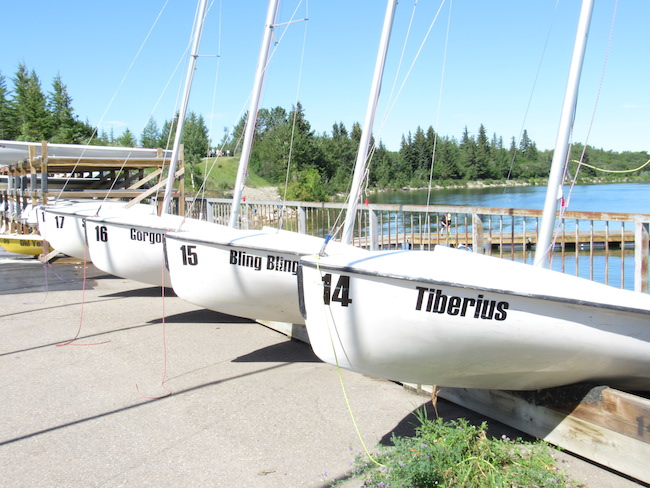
{"points": [[607, 426], [152, 190], [146, 179]]}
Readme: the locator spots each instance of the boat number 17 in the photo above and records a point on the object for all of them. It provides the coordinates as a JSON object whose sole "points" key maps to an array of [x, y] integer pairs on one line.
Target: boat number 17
{"points": [[341, 291]]}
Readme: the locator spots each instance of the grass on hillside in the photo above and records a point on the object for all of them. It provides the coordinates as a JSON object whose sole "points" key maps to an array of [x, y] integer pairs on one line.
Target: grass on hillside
{"points": [[221, 176]]}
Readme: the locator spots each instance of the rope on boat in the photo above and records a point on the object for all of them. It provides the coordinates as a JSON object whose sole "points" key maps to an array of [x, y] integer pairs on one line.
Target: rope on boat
{"points": [[72, 341], [603, 170], [163, 380], [345, 394]]}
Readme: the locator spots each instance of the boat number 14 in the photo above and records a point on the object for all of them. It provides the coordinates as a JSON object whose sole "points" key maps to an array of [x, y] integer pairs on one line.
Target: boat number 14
{"points": [[341, 291]]}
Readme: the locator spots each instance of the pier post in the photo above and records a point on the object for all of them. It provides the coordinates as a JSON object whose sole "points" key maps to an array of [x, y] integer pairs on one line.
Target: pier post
{"points": [[302, 220], [641, 245], [374, 229], [477, 234]]}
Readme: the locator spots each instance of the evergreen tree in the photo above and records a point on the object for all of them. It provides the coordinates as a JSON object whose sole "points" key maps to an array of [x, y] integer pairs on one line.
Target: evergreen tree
{"points": [[470, 161], [338, 156], [7, 120], [166, 134], [269, 119], [127, 139], [291, 142], [447, 160], [150, 136], [33, 119], [195, 138], [64, 123]]}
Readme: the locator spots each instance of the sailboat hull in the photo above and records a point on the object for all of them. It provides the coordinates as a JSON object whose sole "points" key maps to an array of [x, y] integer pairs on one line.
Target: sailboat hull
{"points": [[131, 246], [459, 319], [62, 225], [251, 274]]}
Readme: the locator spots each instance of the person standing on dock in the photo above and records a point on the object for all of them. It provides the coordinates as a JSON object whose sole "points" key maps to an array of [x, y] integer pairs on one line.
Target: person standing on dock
{"points": [[445, 223]]}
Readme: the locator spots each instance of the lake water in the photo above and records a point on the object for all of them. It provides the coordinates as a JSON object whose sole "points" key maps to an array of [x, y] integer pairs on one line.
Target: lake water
{"points": [[618, 197]]}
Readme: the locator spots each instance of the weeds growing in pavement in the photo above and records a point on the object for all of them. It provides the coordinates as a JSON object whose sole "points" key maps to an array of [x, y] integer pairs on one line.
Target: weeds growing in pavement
{"points": [[457, 454]]}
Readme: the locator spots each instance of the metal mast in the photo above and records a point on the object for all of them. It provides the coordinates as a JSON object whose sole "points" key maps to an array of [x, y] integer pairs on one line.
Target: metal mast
{"points": [[362, 154], [196, 41], [561, 152], [251, 120]]}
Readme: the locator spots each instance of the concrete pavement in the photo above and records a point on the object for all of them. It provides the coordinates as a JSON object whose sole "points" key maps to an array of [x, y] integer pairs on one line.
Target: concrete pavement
{"points": [[241, 405]]}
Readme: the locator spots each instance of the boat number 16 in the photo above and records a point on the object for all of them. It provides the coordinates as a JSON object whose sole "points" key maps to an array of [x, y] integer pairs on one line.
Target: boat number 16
{"points": [[341, 291]]}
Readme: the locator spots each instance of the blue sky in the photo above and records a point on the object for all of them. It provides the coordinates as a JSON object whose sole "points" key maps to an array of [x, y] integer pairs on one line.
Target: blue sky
{"points": [[495, 51]]}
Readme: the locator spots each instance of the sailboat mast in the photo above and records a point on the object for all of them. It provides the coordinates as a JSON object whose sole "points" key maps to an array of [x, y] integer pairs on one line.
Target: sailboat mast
{"points": [[362, 153], [198, 29], [251, 120], [561, 152]]}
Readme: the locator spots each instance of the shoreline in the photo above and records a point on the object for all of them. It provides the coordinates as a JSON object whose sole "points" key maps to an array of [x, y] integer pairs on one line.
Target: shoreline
{"points": [[477, 184]]}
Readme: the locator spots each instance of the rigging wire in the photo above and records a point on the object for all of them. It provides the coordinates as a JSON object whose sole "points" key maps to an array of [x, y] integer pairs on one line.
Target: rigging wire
{"points": [[437, 123], [392, 103], [532, 90], [243, 110], [214, 94], [295, 116], [110, 103]]}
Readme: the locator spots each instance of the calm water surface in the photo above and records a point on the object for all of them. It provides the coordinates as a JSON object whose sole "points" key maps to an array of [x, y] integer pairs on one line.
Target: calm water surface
{"points": [[619, 197]]}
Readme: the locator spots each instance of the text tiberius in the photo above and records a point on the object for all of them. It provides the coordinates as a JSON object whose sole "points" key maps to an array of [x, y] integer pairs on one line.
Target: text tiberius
{"points": [[479, 307]]}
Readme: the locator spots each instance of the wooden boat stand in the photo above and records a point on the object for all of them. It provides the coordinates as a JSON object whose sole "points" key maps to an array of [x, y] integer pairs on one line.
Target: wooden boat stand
{"points": [[30, 182], [601, 424]]}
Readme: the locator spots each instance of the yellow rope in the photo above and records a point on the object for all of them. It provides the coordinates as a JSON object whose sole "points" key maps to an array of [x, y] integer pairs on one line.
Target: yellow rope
{"points": [[611, 170], [345, 394]]}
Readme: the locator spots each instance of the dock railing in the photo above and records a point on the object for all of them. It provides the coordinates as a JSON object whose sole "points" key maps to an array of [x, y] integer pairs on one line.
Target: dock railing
{"points": [[611, 248]]}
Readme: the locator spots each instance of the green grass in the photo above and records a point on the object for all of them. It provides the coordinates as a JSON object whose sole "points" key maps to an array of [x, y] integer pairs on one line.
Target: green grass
{"points": [[222, 174], [457, 454]]}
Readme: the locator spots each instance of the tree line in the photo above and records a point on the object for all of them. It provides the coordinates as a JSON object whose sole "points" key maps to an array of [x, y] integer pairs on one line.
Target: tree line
{"points": [[317, 165], [321, 165], [29, 114]]}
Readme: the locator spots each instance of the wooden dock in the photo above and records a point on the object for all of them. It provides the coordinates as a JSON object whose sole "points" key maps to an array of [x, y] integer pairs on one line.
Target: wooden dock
{"points": [[583, 240]]}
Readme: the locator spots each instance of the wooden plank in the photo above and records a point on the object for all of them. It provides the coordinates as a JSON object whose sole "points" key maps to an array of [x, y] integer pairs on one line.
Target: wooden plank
{"points": [[153, 189], [609, 427], [145, 180]]}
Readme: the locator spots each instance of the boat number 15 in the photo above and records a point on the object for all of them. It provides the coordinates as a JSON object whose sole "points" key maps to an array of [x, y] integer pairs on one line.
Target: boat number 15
{"points": [[341, 291], [189, 255]]}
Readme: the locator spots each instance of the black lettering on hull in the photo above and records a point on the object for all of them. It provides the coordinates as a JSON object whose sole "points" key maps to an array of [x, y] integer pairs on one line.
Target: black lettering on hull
{"points": [[435, 301]]}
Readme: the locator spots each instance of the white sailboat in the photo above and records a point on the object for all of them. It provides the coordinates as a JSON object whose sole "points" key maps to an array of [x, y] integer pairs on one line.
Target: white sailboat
{"points": [[130, 245], [63, 224], [249, 274], [459, 319]]}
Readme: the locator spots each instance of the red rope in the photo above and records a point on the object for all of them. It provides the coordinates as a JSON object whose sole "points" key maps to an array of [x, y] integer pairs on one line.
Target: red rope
{"points": [[81, 314], [164, 342]]}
